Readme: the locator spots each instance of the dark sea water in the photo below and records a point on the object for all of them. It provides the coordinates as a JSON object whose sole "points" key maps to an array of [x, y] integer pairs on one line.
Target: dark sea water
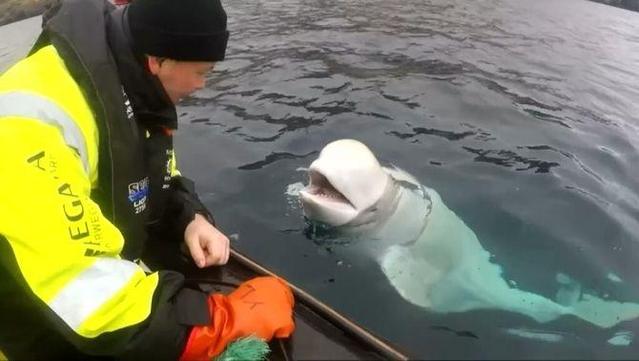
{"points": [[523, 115], [16, 39]]}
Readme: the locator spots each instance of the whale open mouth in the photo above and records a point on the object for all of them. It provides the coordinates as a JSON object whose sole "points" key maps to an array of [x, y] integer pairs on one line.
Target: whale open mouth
{"points": [[321, 188], [323, 202]]}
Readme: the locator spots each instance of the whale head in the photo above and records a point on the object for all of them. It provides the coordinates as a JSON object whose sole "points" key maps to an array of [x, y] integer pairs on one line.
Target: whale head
{"points": [[346, 182]]}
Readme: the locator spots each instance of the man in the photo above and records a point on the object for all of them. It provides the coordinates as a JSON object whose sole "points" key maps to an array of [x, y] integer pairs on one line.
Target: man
{"points": [[88, 177]]}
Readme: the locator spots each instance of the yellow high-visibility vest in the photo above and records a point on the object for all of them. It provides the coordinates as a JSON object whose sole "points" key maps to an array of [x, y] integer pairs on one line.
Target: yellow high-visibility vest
{"points": [[49, 146]]}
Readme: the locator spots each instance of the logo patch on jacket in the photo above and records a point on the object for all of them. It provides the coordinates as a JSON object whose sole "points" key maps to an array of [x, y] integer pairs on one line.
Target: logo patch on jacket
{"points": [[138, 194], [169, 169], [127, 106]]}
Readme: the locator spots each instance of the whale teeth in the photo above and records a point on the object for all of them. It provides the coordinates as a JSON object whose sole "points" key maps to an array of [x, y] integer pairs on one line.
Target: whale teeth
{"points": [[330, 193], [320, 186]]}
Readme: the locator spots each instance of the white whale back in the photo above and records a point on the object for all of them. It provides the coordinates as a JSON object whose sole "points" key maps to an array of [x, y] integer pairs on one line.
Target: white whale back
{"points": [[447, 270]]}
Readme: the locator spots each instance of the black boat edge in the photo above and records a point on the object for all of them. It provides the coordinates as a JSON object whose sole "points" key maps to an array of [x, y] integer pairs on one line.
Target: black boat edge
{"points": [[321, 332], [367, 340]]}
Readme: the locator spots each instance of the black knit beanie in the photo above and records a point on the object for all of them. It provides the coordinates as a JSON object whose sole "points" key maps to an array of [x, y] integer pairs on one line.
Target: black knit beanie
{"points": [[187, 30]]}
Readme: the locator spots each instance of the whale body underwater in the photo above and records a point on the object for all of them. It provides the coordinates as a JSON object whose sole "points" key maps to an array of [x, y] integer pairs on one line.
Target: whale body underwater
{"points": [[428, 254]]}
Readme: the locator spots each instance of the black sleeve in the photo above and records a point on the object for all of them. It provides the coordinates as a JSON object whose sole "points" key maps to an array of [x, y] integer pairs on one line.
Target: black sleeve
{"points": [[175, 310], [182, 205]]}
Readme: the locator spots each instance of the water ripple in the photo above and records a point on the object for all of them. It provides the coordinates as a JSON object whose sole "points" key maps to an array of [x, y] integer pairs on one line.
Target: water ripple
{"points": [[274, 157]]}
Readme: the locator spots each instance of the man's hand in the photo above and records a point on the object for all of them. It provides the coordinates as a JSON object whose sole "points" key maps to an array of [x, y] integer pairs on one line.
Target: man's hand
{"points": [[207, 245]]}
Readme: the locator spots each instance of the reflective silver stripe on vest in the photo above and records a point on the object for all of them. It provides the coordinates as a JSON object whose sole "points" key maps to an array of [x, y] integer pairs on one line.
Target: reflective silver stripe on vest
{"points": [[80, 298], [28, 105]]}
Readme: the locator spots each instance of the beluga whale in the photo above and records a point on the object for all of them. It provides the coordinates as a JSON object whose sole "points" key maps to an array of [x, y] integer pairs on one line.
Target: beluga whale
{"points": [[427, 253]]}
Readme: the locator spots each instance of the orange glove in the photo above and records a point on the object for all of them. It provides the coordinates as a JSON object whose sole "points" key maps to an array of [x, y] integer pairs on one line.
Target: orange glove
{"points": [[262, 307]]}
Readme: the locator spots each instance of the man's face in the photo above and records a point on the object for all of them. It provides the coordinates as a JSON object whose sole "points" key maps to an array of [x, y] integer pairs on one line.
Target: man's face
{"points": [[180, 78]]}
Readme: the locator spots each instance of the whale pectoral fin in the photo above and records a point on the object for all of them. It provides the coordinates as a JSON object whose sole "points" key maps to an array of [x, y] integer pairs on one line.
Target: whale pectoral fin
{"points": [[411, 276]]}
